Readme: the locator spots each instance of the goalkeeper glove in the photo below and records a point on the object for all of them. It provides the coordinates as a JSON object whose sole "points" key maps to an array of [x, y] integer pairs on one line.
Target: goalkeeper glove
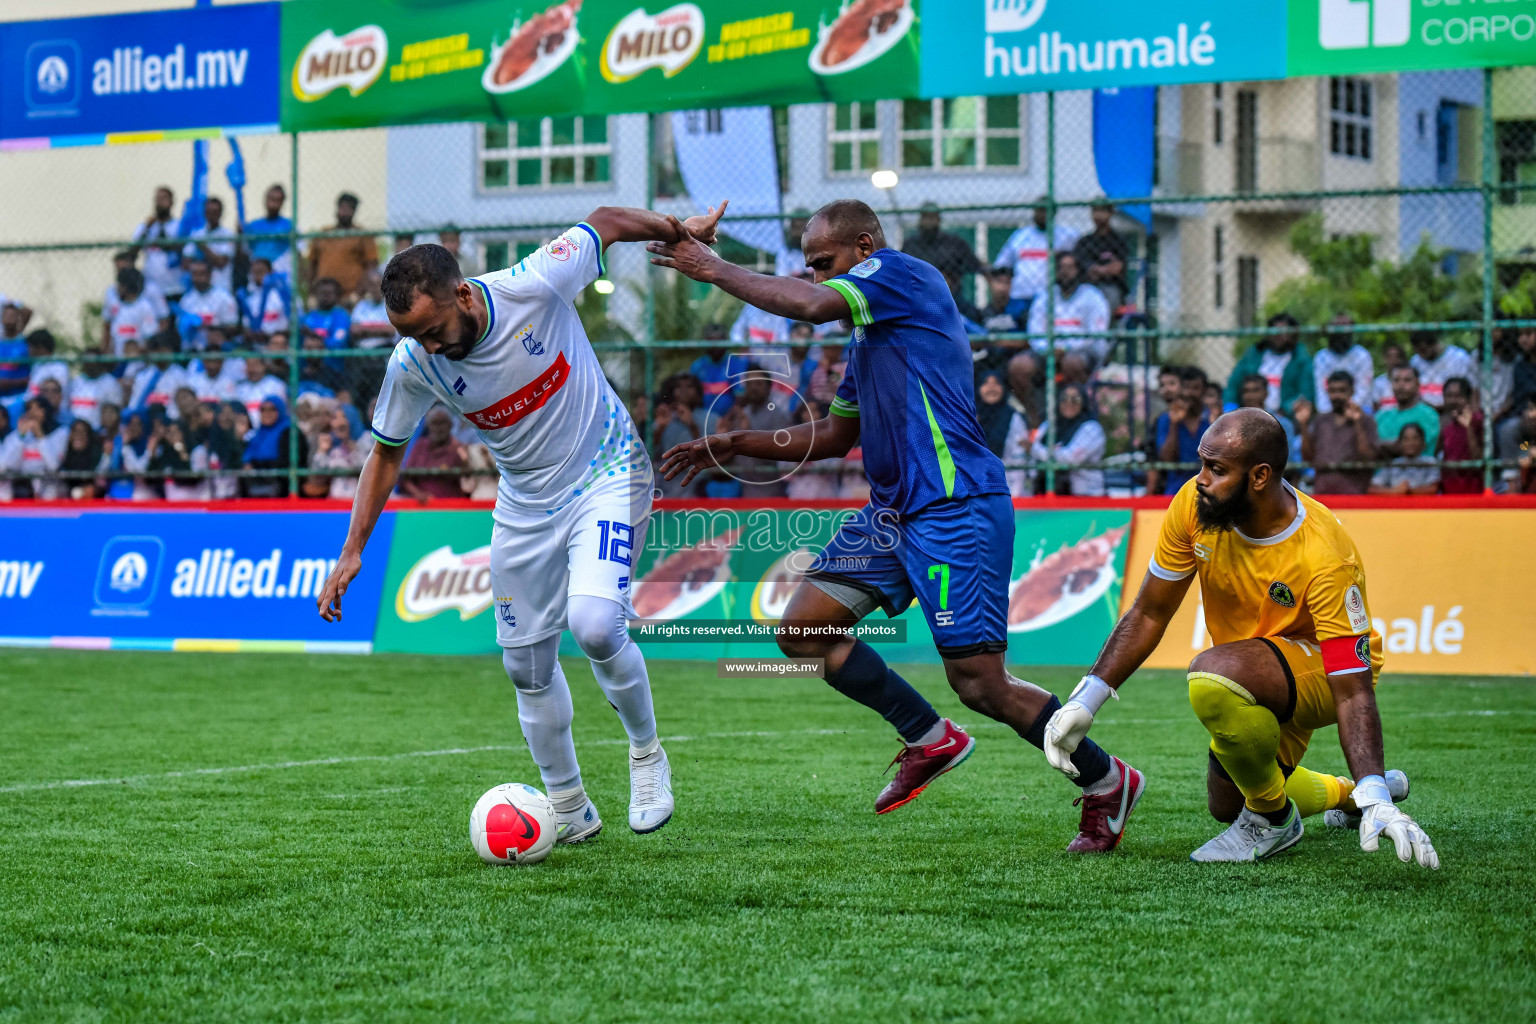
{"points": [[1379, 814], [1071, 722]]}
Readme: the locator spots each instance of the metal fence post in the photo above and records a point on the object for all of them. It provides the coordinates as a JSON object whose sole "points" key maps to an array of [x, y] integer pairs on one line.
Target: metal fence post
{"points": [[647, 354], [1050, 293], [1490, 271], [293, 323]]}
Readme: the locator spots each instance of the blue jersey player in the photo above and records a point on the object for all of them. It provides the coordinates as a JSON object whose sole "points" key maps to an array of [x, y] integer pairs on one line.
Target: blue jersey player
{"points": [[939, 524]]}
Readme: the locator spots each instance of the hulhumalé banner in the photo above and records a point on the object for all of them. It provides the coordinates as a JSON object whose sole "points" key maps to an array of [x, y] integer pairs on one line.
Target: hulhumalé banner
{"points": [[354, 63], [985, 47], [1441, 605], [1334, 37], [180, 580], [740, 566], [86, 79]]}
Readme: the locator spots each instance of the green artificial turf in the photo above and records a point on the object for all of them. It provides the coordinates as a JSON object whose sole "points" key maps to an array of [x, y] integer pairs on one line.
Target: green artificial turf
{"points": [[347, 890]]}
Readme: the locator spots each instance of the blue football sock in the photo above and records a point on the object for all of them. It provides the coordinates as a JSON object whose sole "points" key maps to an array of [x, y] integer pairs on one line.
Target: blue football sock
{"points": [[866, 678], [1090, 760]]}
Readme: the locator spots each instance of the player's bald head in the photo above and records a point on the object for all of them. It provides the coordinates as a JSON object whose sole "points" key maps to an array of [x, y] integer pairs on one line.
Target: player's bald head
{"points": [[1252, 437], [844, 220]]}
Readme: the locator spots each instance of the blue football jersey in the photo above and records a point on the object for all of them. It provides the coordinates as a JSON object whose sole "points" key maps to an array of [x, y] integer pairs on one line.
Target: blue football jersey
{"points": [[910, 383]]}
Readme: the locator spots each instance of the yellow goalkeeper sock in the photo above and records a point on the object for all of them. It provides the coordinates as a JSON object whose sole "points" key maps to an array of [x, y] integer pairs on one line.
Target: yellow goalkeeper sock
{"points": [[1244, 738], [1315, 792]]}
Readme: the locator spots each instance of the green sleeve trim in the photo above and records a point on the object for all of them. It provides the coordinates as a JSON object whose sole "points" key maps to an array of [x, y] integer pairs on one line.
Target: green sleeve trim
{"points": [[843, 407], [946, 461], [857, 306], [602, 269], [386, 440]]}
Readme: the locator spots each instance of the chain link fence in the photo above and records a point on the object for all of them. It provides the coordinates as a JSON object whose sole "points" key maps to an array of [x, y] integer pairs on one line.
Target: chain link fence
{"points": [[1129, 263]]}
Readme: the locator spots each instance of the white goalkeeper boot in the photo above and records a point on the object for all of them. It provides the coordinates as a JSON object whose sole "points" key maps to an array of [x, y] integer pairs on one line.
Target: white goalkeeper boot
{"points": [[650, 791], [1251, 837]]}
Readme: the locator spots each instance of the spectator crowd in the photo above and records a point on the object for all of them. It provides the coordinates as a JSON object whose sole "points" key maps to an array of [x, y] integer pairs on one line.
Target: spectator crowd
{"points": [[159, 408]]}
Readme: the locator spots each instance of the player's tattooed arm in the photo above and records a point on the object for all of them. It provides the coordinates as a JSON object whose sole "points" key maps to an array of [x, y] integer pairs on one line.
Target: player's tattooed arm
{"points": [[1140, 629], [381, 471], [783, 296], [831, 437], [626, 224]]}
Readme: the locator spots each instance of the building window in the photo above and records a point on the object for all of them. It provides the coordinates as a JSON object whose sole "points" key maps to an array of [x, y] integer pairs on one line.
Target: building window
{"points": [[854, 138], [1349, 117], [545, 152], [971, 131]]}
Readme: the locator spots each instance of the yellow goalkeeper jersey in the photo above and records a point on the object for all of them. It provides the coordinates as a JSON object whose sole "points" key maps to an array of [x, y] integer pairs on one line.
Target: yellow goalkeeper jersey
{"points": [[1306, 582]]}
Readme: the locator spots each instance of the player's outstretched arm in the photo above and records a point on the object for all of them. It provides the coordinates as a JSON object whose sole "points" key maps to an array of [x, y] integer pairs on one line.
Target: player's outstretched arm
{"points": [[783, 296], [1360, 735], [627, 224], [830, 437], [381, 471], [1130, 643]]}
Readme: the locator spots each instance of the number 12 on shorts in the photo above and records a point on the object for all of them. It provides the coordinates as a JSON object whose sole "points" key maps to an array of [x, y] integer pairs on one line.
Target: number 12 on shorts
{"points": [[615, 541], [943, 617]]}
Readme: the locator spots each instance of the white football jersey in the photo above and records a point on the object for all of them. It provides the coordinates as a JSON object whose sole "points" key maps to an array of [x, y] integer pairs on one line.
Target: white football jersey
{"points": [[531, 385]]}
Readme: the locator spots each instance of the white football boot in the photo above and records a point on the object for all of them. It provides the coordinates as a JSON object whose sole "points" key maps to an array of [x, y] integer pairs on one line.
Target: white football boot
{"points": [[1397, 788], [1251, 837], [578, 826], [650, 791]]}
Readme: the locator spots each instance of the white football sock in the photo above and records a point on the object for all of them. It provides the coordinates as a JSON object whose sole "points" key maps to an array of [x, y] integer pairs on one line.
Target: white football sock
{"points": [[601, 631], [1108, 783], [544, 711], [933, 735]]}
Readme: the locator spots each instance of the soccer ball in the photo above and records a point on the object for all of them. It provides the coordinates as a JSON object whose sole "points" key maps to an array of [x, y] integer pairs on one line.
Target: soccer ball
{"points": [[512, 824]]}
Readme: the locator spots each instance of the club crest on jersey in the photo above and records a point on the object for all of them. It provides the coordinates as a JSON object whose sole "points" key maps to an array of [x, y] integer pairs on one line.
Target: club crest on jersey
{"points": [[1281, 595], [866, 268], [1363, 650], [504, 609], [1354, 607], [534, 346], [562, 247]]}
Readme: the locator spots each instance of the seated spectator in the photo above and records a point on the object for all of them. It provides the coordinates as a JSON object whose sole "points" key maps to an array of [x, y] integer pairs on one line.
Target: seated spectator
{"points": [[1079, 439], [1026, 387], [112, 301], [1523, 377], [214, 245], [40, 346], [755, 410], [452, 239], [998, 315], [90, 388], [175, 462], [1343, 353], [1461, 437], [135, 319], [1214, 401], [329, 321], [1408, 473], [1517, 442], [224, 439], [1178, 432], [1080, 309], [1101, 255], [993, 412], [1437, 363], [1342, 433], [155, 386], [812, 481], [1027, 253], [759, 330], [270, 448], [436, 448], [257, 387], [1253, 393], [1393, 355], [213, 377], [1408, 407], [1501, 391], [712, 371], [187, 412], [676, 422], [82, 454], [205, 304], [1170, 385], [130, 454], [50, 392], [948, 253], [481, 486], [265, 300], [1282, 361], [111, 422], [273, 250], [318, 375], [5, 433], [34, 449]]}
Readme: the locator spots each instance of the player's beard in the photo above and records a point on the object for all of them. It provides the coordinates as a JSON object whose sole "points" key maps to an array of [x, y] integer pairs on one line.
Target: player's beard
{"points": [[1221, 516], [469, 333]]}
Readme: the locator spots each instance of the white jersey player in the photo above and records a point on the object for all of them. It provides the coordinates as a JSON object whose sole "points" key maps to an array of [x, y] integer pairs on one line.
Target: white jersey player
{"points": [[507, 352]]}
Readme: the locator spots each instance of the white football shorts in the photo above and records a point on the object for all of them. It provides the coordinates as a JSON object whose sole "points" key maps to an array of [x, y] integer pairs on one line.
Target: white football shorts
{"points": [[589, 547]]}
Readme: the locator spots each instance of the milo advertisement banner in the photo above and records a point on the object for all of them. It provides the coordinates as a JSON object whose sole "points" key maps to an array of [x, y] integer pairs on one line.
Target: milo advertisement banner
{"points": [[714, 582], [359, 63]]}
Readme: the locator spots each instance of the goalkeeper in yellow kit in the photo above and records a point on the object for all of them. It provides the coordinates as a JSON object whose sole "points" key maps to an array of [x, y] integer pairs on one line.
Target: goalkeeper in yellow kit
{"points": [[1285, 602]]}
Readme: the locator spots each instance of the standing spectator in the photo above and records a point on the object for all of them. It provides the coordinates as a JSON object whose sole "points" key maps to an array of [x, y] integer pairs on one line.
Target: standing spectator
{"points": [[13, 347], [1101, 255], [265, 300], [205, 304], [1437, 363], [1409, 408], [214, 244], [344, 260], [257, 387], [135, 319], [1392, 356], [82, 454], [1170, 385], [1079, 439], [760, 478], [156, 238], [993, 412], [1215, 402], [329, 321], [335, 448], [1461, 437], [998, 316], [275, 251], [1343, 353], [90, 388], [1178, 434], [1408, 473], [712, 371], [759, 330], [1253, 393], [1079, 310], [269, 448], [1192, 384], [435, 449], [1517, 442], [452, 239], [111, 301], [948, 253], [1283, 362], [1342, 433], [1027, 252], [40, 346]]}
